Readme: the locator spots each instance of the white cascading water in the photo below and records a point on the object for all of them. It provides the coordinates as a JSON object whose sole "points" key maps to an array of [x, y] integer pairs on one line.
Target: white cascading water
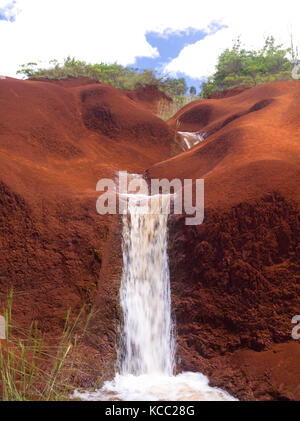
{"points": [[147, 341], [192, 139], [147, 350]]}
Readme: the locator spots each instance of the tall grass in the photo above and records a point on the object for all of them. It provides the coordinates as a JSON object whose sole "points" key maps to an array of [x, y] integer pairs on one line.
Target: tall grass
{"points": [[31, 369], [166, 110]]}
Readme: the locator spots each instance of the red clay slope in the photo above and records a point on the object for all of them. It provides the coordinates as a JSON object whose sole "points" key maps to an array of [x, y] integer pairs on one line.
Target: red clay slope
{"points": [[56, 141], [150, 97], [235, 278], [253, 146]]}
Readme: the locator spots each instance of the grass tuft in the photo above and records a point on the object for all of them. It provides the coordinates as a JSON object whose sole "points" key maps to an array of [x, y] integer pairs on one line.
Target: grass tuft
{"points": [[31, 369], [166, 110]]}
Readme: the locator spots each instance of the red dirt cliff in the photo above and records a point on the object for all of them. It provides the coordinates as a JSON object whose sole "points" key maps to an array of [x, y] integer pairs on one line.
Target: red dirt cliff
{"points": [[57, 139], [234, 278]]}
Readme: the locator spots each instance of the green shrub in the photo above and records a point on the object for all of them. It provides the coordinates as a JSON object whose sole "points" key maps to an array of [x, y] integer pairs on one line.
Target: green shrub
{"points": [[112, 74], [240, 67]]}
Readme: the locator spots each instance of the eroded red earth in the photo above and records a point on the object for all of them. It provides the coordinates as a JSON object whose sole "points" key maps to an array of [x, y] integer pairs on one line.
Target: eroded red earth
{"points": [[234, 279]]}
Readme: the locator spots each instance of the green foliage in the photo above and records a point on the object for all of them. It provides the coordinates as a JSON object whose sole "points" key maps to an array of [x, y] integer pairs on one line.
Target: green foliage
{"points": [[241, 67], [192, 91], [112, 74], [173, 87]]}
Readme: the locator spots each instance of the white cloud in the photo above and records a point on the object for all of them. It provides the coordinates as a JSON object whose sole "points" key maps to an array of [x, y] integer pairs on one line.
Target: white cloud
{"points": [[252, 21], [199, 59], [114, 30]]}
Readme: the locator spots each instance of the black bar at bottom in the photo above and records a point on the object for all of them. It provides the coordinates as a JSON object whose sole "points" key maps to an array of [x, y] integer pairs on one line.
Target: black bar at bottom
{"points": [[140, 410]]}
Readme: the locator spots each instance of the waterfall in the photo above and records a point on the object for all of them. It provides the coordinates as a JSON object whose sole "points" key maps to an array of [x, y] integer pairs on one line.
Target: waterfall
{"points": [[147, 345], [192, 139]]}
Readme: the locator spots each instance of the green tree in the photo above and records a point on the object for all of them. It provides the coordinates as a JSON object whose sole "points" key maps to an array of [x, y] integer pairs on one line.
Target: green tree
{"points": [[174, 87], [192, 91], [240, 67]]}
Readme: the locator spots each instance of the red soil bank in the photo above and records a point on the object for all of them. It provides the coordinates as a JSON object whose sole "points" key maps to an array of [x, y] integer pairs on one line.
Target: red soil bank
{"points": [[56, 141], [235, 278], [150, 97], [228, 92]]}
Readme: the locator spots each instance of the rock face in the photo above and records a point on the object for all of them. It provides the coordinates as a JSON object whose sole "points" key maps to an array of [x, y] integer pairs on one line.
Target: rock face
{"points": [[150, 97], [235, 278], [57, 139], [235, 286]]}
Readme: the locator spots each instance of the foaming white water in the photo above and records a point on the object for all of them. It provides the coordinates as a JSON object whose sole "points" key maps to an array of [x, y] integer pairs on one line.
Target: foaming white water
{"points": [[157, 387], [147, 345], [192, 138], [147, 348]]}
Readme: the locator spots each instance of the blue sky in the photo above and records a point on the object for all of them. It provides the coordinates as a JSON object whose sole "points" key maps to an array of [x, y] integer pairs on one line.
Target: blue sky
{"points": [[169, 44], [8, 12], [175, 37]]}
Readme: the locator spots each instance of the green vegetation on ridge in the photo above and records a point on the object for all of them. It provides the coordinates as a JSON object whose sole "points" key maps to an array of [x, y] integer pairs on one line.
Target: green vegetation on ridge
{"points": [[113, 74], [236, 66], [240, 67]]}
